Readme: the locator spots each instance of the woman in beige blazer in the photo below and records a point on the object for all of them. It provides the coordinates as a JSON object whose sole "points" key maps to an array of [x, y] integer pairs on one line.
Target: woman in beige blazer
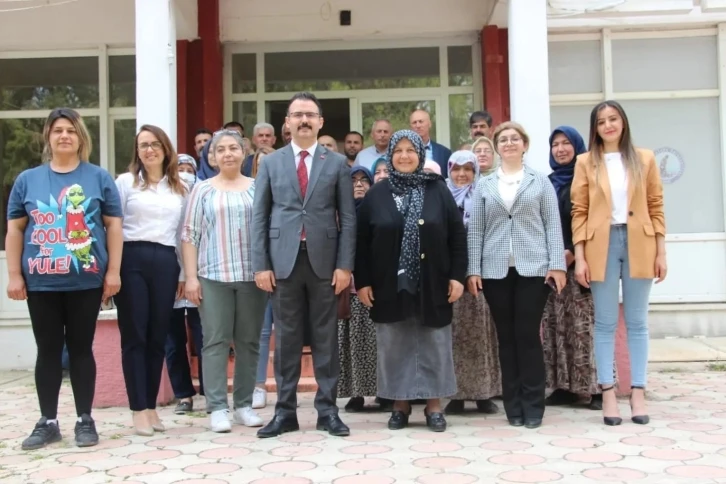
{"points": [[618, 229]]}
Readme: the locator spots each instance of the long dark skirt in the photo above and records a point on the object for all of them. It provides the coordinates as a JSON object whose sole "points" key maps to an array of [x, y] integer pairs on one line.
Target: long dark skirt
{"points": [[357, 347], [476, 351], [567, 326]]}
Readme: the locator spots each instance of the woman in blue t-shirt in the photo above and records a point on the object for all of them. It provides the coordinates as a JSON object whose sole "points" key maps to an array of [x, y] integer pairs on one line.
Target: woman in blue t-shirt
{"points": [[63, 250]]}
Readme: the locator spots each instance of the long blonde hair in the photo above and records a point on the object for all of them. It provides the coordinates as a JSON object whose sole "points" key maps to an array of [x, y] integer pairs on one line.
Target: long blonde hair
{"points": [[264, 150], [630, 156], [84, 139]]}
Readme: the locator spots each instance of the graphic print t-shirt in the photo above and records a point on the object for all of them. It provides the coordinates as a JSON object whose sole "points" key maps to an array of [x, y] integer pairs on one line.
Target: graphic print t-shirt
{"points": [[65, 239]]}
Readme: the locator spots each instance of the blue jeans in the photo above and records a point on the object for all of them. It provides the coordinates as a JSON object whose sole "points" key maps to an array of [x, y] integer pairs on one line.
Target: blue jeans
{"points": [[265, 344], [605, 294]]}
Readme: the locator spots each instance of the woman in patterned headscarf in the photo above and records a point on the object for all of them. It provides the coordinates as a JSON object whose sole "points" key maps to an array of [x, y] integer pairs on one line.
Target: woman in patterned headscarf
{"points": [[476, 351], [409, 269]]}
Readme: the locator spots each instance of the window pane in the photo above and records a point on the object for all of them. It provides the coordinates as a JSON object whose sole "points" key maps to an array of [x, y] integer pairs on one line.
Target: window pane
{"points": [[246, 113], [343, 70], [397, 112], [244, 73], [689, 161], [460, 108], [122, 80], [575, 67], [21, 147], [124, 135], [461, 70], [576, 116], [49, 83], [665, 64]]}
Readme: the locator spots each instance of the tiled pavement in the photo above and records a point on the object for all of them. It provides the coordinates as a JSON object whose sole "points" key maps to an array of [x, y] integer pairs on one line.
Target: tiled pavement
{"points": [[685, 443]]}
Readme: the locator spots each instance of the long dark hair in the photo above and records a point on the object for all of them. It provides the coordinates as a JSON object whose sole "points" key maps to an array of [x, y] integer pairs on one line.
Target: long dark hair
{"points": [[631, 160], [170, 167]]}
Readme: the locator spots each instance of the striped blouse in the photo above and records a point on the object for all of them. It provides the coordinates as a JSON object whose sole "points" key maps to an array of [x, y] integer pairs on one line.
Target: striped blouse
{"points": [[218, 224]]}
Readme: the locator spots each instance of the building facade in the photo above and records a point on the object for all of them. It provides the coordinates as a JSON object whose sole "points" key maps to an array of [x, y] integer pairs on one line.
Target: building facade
{"points": [[185, 64]]}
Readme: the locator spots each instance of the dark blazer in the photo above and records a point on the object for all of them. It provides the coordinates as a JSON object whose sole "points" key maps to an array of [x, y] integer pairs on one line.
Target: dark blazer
{"points": [[441, 155], [565, 205], [443, 254]]}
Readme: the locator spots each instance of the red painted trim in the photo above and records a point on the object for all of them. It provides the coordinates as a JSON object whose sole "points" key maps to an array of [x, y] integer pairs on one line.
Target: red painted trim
{"points": [[492, 64], [504, 73], [211, 65], [182, 97]]}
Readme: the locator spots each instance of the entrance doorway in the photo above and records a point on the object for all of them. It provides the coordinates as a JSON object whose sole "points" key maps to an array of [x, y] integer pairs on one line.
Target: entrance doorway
{"points": [[336, 113]]}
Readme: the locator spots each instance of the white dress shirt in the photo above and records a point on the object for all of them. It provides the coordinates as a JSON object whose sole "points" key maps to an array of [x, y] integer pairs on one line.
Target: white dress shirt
{"points": [[367, 156], [154, 214], [618, 179], [508, 186], [308, 159]]}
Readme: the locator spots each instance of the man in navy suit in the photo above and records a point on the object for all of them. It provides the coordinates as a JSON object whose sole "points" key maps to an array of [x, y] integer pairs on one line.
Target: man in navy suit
{"points": [[420, 121]]}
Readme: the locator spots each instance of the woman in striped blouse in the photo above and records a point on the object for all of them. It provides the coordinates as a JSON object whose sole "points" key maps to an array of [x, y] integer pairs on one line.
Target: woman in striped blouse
{"points": [[217, 255]]}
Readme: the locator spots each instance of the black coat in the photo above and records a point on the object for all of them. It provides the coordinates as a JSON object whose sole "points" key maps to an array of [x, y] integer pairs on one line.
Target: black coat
{"points": [[443, 254]]}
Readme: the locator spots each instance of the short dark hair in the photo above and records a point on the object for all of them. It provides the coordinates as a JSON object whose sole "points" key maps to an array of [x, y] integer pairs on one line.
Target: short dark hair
{"points": [[355, 133], [202, 131], [233, 124], [305, 96], [480, 116]]}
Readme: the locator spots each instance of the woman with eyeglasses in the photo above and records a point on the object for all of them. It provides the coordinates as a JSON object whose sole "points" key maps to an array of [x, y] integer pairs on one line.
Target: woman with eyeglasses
{"points": [[515, 251], [618, 229], [485, 153], [153, 198]]}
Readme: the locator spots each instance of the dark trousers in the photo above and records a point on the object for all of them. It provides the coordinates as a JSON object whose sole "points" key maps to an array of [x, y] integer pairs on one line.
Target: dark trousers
{"points": [[305, 299], [517, 304], [149, 277], [68, 316], [177, 358]]}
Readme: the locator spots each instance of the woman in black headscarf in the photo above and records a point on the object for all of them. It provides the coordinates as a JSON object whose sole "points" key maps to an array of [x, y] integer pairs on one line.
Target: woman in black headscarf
{"points": [[410, 266], [567, 322]]}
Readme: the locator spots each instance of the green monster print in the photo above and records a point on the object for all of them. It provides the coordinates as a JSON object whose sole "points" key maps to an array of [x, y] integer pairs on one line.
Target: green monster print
{"points": [[77, 231]]}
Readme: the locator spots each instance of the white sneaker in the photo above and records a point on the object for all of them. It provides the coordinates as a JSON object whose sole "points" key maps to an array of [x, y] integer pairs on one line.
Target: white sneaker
{"points": [[219, 421], [247, 417], [259, 398]]}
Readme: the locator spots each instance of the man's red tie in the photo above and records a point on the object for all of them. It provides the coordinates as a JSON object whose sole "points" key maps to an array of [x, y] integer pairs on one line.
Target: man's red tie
{"points": [[302, 178]]}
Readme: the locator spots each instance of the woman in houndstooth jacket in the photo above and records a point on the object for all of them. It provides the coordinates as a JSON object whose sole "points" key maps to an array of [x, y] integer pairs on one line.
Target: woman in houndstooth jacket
{"points": [[515, 246]]}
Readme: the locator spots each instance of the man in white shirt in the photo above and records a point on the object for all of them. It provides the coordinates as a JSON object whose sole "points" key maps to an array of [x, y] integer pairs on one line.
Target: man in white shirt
{"points": [[420, 121], [381, 135]]}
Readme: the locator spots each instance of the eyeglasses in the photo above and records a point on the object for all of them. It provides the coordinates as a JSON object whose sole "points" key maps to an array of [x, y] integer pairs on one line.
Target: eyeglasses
{"points": [[154, 145], [484, 152], [513, 140], [300, 115], [360, 181]]}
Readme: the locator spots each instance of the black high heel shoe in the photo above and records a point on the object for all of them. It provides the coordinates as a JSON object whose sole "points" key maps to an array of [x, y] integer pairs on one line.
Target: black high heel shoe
{"points": [[399, 419], [638, 419], [611, 421]]}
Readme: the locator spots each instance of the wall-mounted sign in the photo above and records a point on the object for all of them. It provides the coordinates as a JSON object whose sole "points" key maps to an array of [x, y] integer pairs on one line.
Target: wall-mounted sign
{"points": [[671, 164]]}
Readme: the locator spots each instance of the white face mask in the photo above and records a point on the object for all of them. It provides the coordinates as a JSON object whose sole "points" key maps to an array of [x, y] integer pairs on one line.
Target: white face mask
{"points": [[188, 178]]}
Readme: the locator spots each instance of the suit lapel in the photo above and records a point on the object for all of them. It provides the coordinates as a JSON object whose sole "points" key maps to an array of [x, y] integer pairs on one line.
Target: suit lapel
{"points": [[492, 186], [527, 179], [290, 170], [604, 182], [318, 162]]}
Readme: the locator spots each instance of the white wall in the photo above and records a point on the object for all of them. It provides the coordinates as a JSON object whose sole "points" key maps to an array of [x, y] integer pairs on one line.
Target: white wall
{"points": [[80, 24], [292, 20]]}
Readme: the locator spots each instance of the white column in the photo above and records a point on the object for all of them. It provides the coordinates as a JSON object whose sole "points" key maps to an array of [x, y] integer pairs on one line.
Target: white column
{"points": [[529, 76], [156, 65]]}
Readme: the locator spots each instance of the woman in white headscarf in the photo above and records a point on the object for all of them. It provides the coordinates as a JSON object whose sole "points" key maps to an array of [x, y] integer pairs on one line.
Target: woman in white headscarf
{"points": [[476, 355]]}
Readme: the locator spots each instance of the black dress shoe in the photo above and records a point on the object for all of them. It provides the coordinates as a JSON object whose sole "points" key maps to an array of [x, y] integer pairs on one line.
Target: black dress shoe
{"points": [[486, 406], [532, 423], [278, 426], [398, 420], [454, 407], [384, 404], [516, 421], [595, 402], [355, 404], [638, 419], [333, 425], [435, 421]]}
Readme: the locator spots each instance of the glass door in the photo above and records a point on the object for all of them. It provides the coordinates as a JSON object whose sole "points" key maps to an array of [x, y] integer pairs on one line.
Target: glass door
{"points": [[397, 111], [121, 143]]}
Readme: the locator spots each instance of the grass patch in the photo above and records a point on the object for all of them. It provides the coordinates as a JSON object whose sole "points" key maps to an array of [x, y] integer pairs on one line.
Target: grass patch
{"points": [[3, 445], [197, 414], [115, 437], [716, 366], [37, 457]]}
